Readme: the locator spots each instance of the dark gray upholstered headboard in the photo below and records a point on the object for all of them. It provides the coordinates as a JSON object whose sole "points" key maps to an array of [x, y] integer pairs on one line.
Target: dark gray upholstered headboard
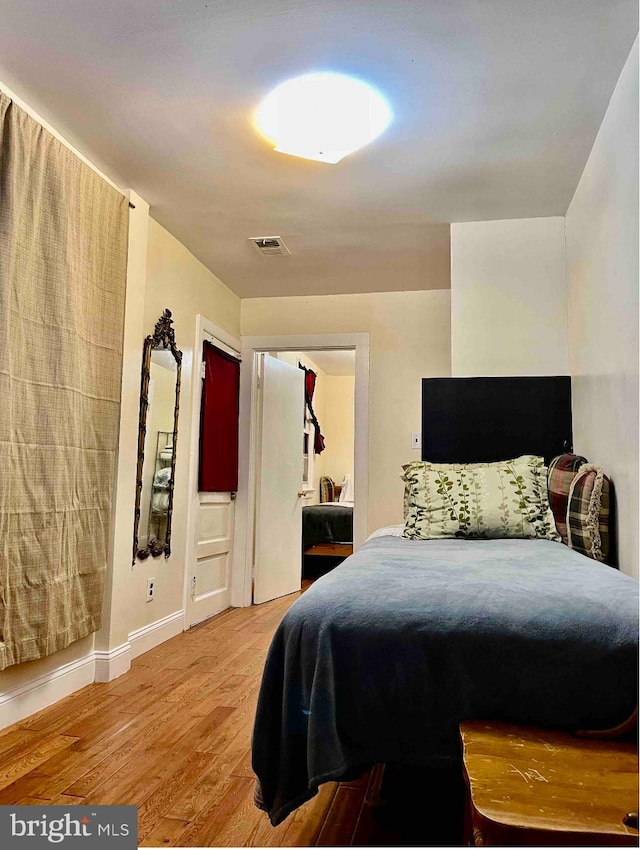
{"points": [[467, 420]]}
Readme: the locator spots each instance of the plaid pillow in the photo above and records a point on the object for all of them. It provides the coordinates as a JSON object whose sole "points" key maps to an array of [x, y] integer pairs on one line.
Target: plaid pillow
{"points": [[327, 489], [562, 471], [588, 513]]}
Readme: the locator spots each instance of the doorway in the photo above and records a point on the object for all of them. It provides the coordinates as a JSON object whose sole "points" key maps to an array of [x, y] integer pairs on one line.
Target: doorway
{"points": [[327, 512], [246, 561], [304, 467], [210, 516]]}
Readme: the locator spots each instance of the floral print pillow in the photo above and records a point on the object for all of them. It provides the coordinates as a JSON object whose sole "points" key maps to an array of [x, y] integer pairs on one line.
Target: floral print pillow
{"points": [[478, 500]]}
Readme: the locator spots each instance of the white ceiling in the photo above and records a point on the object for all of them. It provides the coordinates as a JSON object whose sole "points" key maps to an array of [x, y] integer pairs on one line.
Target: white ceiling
{"points": [[338, 362], [496, 103]]}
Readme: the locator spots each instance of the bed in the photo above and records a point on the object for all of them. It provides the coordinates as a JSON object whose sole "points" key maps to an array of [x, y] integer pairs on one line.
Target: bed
{"points": [[381, 659], [327, 537], [328, 522], [327, 528]]}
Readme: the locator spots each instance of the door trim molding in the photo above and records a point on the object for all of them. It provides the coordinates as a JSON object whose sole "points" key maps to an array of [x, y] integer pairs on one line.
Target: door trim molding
{"points": [[242, 564], [205, 329]]}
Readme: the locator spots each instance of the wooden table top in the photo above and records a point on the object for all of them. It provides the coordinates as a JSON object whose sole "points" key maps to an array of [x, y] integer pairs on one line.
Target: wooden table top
{"points": [[542, 780]]}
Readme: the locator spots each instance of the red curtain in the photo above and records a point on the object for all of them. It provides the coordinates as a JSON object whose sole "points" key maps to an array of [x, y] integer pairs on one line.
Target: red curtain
{"points": [[219, 421], [309, 386]]}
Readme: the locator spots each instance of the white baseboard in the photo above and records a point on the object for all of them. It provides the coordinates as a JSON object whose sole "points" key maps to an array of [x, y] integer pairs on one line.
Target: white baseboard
{"points": [[97, 666], [46, 689], [113, 662], [146, 638]]}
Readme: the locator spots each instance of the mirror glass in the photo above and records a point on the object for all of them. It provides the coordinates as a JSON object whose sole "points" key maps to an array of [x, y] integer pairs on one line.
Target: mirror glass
{"points": [[157, 439]]}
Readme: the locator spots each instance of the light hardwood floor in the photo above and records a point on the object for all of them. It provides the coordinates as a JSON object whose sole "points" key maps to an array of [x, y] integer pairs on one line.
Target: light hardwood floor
{"points": [[172, 736]]}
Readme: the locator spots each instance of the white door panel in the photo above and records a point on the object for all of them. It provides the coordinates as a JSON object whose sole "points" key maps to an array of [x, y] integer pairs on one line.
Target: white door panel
{"points": [[278, 556], [210, 575], [209, 589], [213, 520]]}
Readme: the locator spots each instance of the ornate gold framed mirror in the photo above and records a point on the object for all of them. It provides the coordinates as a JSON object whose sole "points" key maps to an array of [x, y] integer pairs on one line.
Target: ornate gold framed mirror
{"points": [[157, 441]]}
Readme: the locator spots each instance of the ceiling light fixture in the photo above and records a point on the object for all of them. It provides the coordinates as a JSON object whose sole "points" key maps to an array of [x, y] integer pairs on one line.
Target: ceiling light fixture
{"points": [[322, 116]]}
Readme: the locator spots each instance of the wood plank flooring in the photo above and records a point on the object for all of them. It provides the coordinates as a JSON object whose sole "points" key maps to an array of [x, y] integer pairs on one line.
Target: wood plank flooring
{"points": [[172, 736]]}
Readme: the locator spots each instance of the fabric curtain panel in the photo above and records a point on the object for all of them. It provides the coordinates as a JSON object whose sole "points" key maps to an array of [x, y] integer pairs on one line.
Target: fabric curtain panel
{"points": [[63, 232], [309, 388], [309, 385], [219, 422]]}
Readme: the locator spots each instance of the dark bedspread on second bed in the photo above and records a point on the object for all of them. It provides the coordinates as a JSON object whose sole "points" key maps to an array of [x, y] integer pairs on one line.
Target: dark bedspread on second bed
{"points": [[382, 658], [326, 523]]}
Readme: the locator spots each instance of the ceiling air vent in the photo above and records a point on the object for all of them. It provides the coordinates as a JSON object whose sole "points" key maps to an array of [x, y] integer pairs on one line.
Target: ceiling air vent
{"points": [[270, 245]]}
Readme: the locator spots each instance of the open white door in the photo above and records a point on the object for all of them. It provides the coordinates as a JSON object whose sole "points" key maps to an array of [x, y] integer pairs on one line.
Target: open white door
{"points": [[278, 542]]}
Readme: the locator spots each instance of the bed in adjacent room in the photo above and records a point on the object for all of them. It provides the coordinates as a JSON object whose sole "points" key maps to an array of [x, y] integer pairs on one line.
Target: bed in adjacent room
{"points": [[477, 607], [328, 522], [327, 528]]}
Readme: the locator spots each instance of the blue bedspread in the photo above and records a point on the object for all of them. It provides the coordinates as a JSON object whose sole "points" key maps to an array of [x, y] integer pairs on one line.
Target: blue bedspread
{"points": [[383, 657]]}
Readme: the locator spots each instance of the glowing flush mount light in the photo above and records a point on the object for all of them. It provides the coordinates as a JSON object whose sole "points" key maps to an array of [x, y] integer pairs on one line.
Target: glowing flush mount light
{"points": [[322, 116]]}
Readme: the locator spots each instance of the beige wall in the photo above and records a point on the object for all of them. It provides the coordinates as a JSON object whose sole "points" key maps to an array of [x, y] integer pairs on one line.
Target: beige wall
{"points": [[409, 339], [115, 628], [337, 425], [602, 262], [508, 298], [178, 281]]}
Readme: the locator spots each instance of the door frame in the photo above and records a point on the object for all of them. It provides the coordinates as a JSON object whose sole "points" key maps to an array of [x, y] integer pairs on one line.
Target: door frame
{"points": [[205, 330], [252, 346]]}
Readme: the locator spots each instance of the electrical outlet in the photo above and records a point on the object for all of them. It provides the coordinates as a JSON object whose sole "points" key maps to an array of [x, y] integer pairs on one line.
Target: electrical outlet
{"points": [[416, 440], [151, 589]]}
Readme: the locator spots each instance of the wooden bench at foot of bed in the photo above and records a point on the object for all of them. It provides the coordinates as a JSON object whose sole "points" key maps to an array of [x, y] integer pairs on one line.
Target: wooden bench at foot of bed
{"points": [[334, 550], [533, 787]]}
